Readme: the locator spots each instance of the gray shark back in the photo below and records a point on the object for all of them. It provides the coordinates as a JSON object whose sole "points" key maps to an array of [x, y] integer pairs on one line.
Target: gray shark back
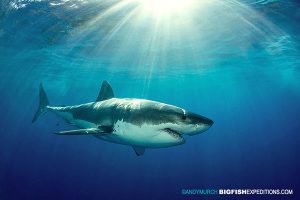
{"points": [[108, 112]]}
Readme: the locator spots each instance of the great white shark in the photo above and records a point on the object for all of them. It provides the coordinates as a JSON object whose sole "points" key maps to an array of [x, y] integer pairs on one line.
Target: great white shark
{"points": [[139, 123]]}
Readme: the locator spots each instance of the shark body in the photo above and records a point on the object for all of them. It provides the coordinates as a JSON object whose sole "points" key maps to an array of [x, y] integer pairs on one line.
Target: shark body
{"points": [[139, 123]]}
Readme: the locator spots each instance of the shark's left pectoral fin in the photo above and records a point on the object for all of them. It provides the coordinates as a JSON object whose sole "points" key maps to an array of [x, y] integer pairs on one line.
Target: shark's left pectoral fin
{"points": [[102, 130], [138, 150]]}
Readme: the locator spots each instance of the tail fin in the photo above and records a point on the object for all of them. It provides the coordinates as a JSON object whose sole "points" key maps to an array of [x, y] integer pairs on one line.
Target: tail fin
{"points": [[42, 109]]}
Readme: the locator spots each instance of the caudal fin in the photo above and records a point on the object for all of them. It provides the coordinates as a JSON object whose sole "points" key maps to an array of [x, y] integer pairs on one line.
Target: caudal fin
{"points": [[42, 109]]}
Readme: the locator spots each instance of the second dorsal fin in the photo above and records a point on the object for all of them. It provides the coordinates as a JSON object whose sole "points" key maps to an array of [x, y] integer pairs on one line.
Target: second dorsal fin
{"points": [[106, 92]]}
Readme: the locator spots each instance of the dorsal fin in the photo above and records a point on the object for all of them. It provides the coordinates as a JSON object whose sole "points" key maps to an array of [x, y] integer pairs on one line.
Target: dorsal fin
{"points": [[106, 92]]}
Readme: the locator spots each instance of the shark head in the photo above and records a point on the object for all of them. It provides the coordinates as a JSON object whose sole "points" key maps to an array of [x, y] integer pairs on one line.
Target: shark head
{"points": [[184, 122], [171, 119]]}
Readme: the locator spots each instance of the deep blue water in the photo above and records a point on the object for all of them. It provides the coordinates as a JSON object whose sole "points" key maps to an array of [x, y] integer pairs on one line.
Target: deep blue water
{"points": [[236, 62]]}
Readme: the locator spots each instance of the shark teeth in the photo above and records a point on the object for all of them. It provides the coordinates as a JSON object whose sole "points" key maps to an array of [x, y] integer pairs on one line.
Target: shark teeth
{"points": [[172, 133]]}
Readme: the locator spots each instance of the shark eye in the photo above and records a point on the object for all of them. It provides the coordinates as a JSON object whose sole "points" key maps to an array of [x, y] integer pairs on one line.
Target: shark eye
{"points": [[183, 117]]}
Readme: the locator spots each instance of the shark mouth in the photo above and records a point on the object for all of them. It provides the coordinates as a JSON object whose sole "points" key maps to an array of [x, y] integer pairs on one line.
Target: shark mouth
{"points": [[173, 133]]}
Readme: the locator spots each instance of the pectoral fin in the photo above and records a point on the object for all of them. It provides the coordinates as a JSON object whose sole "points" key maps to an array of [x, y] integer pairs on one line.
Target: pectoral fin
{"points": [[103, 130], [138, 150]]}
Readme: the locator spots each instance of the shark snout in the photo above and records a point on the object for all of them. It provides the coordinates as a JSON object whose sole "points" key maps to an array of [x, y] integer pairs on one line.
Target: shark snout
{"points": [[204, 123], [199, 119], [199, 123], [208, 122]]}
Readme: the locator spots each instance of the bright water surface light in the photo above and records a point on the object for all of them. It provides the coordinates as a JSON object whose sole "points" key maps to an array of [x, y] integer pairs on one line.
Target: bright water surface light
{"points": [[162, 7]]}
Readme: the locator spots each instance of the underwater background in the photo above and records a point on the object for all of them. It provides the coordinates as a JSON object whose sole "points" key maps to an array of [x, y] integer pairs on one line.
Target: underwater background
{"points": [[236, 62]]}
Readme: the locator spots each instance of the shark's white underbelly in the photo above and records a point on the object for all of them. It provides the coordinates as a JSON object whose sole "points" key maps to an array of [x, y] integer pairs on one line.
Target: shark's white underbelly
{"points": [[150, 136]]}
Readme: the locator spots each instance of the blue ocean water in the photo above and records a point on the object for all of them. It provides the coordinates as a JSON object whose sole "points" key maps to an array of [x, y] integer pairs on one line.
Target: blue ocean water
{"points": [[236, 62]]}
